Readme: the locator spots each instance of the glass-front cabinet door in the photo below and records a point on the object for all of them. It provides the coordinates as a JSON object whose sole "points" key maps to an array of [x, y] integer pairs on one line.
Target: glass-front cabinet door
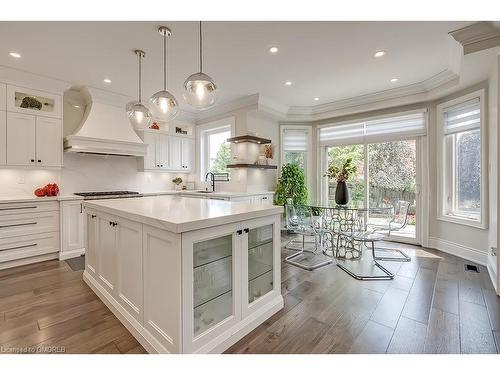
{"points": [[260, 263], [211, 281]]}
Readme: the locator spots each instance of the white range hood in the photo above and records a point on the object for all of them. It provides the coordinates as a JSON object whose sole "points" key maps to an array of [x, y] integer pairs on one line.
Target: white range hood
{"points": [[95, 122]]}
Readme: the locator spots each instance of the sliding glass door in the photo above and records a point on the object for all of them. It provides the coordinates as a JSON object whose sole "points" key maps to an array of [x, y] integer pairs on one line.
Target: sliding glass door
{"points": [[386, 176]]}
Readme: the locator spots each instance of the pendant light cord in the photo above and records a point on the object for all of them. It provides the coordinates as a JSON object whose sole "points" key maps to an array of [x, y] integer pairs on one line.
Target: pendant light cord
{"points": [[201, 51], [165, 61], [140, 77]]}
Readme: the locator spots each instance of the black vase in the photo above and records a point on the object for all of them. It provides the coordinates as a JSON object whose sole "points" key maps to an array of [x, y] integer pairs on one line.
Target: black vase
{"points": [[341, 193]]}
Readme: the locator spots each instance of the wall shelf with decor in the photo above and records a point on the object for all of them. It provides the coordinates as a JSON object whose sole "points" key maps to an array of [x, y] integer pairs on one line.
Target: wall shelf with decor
{"points": [[257, 166], [249, 139]]}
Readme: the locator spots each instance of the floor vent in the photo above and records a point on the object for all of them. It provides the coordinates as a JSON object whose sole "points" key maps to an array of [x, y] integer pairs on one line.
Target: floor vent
{"points": [[471, 268]]}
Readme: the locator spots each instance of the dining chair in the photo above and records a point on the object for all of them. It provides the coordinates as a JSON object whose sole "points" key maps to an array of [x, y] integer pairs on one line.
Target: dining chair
{"points": [[301, 221], [398, 222]]}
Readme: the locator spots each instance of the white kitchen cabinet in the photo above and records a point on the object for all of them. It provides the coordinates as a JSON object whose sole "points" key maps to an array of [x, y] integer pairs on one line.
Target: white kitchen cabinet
{"points": [[72, 229], [157, 152], [48, 142], [33, 140], [91, 237], [229, 272], [3, 137], [106, 250], [117, 255], [175, 144], [3, 96], [187, 151], [21, 139]]}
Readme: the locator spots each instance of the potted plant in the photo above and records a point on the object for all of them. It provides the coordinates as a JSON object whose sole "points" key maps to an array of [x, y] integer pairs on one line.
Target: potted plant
{"points": [[341, 173], [177, 181], [291, 184]]}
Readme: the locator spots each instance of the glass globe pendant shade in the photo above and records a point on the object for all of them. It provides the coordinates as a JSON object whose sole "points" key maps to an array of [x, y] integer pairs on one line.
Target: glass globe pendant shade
{"points": [[139, 116], [200, 91], [164, 105]]}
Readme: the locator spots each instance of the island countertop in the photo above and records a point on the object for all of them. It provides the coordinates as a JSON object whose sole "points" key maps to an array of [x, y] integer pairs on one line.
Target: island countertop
{"points": [[182, 214]]}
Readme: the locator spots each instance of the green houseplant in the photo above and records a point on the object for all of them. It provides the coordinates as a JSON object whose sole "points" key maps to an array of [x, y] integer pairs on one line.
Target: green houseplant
{"points": [[291, 184], [341, 173]]}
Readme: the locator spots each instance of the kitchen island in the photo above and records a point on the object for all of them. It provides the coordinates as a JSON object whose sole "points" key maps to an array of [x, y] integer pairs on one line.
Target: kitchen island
{"points": [[185, 275]]}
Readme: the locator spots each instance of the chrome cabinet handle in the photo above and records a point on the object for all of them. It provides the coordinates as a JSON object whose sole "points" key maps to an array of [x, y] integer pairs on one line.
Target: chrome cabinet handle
{"points": [[19, 247], [17, 225]]}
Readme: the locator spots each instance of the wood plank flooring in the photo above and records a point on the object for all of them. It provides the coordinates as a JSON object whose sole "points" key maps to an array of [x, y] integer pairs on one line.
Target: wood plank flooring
{"points": [[432, 306]]}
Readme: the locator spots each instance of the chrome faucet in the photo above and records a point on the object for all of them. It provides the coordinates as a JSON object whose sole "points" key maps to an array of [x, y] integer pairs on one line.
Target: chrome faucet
{"points": [[212, 179]]}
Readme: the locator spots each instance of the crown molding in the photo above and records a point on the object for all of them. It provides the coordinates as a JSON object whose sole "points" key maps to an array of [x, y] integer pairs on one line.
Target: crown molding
{"points": [[477, 37], [398, 96]]}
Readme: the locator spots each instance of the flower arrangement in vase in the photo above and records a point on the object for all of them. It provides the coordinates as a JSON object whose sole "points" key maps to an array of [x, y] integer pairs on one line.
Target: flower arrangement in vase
{"points": [[341, 173]]}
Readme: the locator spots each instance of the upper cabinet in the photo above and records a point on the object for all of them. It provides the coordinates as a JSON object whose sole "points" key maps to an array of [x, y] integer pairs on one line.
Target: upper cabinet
{"points": [[167, 152], [33, 102], [30, 128]]}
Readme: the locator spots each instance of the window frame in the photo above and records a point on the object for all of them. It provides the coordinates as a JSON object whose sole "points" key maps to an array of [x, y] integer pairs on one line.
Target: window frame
{"points": [[446, 165], [203, 132], [307, 154]]}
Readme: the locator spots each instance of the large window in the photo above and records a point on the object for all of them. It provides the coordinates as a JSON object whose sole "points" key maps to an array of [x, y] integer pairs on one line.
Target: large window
{"points": [[384, 151], [462, 174], [215, 151]]}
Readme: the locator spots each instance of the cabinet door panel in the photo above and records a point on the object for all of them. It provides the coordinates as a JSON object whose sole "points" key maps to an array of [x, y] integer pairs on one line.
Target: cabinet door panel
{"points": [[187, 154], [164, 151], [260, 263], [107, 252], [162, 286], [150, 158], [211, 269], [91, 238], [48, 142], [72, 226], [129, 252], [175, 144], [20, 139], [3, 136]]}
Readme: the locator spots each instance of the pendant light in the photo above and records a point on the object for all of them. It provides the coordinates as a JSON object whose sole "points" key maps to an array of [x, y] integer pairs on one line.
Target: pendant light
{"points": [[163, 104], [199, 88], [138, 114]]}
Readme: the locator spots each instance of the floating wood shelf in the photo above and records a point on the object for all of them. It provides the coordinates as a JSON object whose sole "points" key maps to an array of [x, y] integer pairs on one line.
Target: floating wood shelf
{"points": [[249, 139], [257, 166]]}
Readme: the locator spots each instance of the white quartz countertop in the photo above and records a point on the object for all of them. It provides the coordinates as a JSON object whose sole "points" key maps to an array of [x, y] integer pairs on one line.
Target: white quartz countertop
{"points": [[182, 214], [32, 198]]}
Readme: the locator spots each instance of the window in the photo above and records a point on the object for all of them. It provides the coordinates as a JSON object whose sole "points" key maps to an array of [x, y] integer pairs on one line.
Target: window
{"points": [[462, 185], [296, 141], [215, 151]]}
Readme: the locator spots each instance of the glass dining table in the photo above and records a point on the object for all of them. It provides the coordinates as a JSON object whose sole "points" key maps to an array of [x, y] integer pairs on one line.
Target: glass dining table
{"points": [[344, 233]]}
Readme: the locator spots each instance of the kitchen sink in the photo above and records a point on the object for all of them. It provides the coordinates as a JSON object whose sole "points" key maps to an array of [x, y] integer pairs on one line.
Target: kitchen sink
{"points": [[205, 191]]}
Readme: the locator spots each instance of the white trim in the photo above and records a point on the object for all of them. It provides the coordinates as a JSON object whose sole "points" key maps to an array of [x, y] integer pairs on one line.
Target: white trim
{"points": [[492, 271], [441, 159], [459, 250]]}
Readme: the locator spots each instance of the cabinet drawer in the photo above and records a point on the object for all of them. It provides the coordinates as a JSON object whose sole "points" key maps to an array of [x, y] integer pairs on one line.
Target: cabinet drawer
{"points": [[28, 246], [28, 223], [27, 207]]}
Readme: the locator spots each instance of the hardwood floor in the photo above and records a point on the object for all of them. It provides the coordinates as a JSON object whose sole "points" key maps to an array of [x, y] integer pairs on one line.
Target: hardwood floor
{"points": [[432, 306], [47, 306]]}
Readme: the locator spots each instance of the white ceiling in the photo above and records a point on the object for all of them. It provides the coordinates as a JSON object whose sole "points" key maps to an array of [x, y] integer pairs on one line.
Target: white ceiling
{"points": [[329, 60]]}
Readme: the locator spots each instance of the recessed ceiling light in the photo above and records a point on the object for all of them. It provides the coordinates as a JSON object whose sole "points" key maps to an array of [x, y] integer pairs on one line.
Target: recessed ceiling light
{"points": [[379, 53], [288, 83], [107, 80], [15, 55], [273, 49], [316, 99], [394, 80], [76, 106]]}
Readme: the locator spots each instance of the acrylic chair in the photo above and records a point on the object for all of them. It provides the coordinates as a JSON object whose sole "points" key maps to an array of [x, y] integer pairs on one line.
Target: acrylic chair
{"points": [[398, 222], [301, 221]]}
